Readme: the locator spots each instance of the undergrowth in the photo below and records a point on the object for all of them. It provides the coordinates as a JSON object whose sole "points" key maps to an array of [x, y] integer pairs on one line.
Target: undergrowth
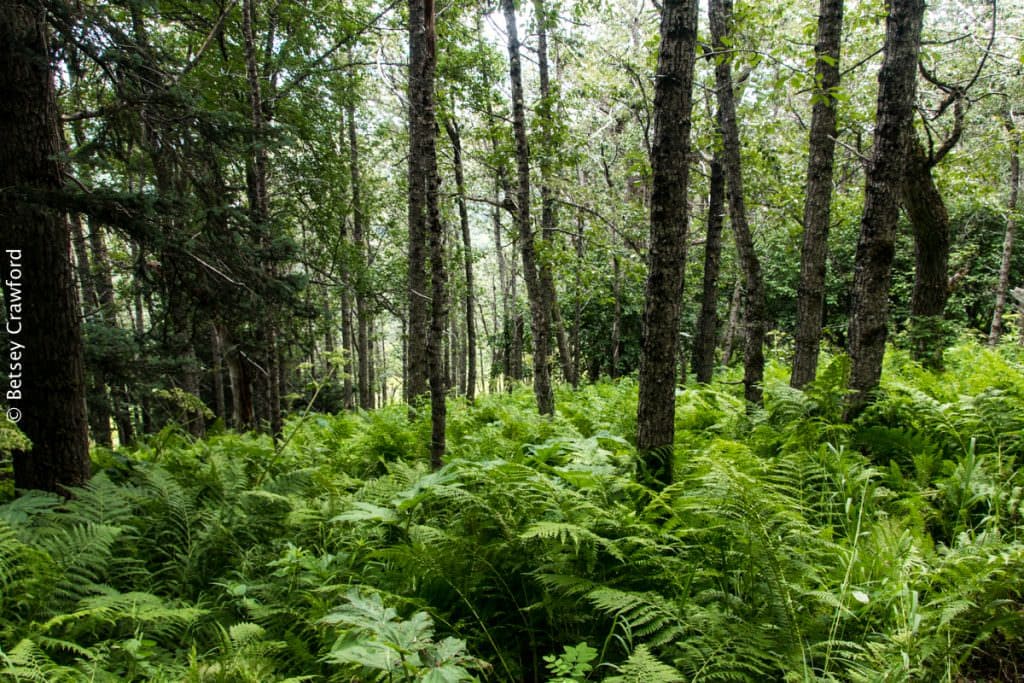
{"points": [[791, 546]]}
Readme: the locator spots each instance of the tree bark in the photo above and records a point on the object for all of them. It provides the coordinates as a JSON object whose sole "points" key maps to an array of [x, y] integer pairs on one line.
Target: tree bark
{"points": [[673, 103], [44, 354], [875, 247], [616, 353], [103, 280], [810, 301], [419, 129], [219, 394], [707, 323], [549, 218], [467, 256], [504, 286], [243, 414], [720, 13], [1003, 286], [347, 333], [90, 299], [422, 42], [97, 401], [259, 211], [577, 322], [929, 221], [359, 244], [540, 306], [734, 322], [371, 373]]}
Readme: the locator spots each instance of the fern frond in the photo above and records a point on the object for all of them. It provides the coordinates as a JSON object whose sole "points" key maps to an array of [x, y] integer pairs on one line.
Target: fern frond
{"points": [[644, 667], [82, 554], [647, 615]]}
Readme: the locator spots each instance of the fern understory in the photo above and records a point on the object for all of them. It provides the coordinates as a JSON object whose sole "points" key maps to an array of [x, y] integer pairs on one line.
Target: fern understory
{"points": [[792, 546]]}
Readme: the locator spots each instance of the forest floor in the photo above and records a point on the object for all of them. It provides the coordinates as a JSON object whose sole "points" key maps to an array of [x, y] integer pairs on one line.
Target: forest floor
{"points": [[792, 546]]}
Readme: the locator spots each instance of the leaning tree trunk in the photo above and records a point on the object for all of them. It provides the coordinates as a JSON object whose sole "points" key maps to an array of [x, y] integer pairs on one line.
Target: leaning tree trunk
{"points": [[45, 387], [869, 317], [930, 223], [467, 256], [540, 305], [810, 300], [1011, 228], [673, 102], [720, 13], [707, 323]]}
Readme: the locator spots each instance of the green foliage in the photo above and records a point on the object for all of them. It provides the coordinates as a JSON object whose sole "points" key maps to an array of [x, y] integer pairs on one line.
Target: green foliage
{"points": [[11, 439], [572, 665], [790, 546], [643, 667], [376, 639]]}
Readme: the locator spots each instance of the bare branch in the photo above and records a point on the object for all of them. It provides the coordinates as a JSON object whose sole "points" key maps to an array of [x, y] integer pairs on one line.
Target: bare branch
{"points": [[206, 43]]}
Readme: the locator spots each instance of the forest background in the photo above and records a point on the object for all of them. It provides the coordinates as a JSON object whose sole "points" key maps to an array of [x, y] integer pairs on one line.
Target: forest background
{"points": [[221, 214]]}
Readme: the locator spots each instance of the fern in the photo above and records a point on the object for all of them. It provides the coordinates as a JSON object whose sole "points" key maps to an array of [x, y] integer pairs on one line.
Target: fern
{"points": [[643, 667], [27, 661], [645, 615]]}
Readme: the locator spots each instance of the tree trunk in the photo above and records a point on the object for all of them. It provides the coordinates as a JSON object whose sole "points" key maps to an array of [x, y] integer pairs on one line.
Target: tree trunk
{"points": [[371, 372], [467, 247], [438, 276], [97, 401], [259, 213], [540, 306], [422, 44], [930, 223], [45, 387], [875, 247], [1003, 285], [720, 13], [517, 344], [219, 394], [103, 280], [735, 317], [577, 321], [707, 323], [179, 333], [347, 333], [90, 299], [810, 301], [549, 219], [503, 287], [243, 412], [613, 370], [364, 350], [673, 103], [419, 129]]}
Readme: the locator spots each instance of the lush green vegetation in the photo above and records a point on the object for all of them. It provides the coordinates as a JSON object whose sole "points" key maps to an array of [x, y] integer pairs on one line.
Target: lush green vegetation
{"points": [[791, 547]]}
